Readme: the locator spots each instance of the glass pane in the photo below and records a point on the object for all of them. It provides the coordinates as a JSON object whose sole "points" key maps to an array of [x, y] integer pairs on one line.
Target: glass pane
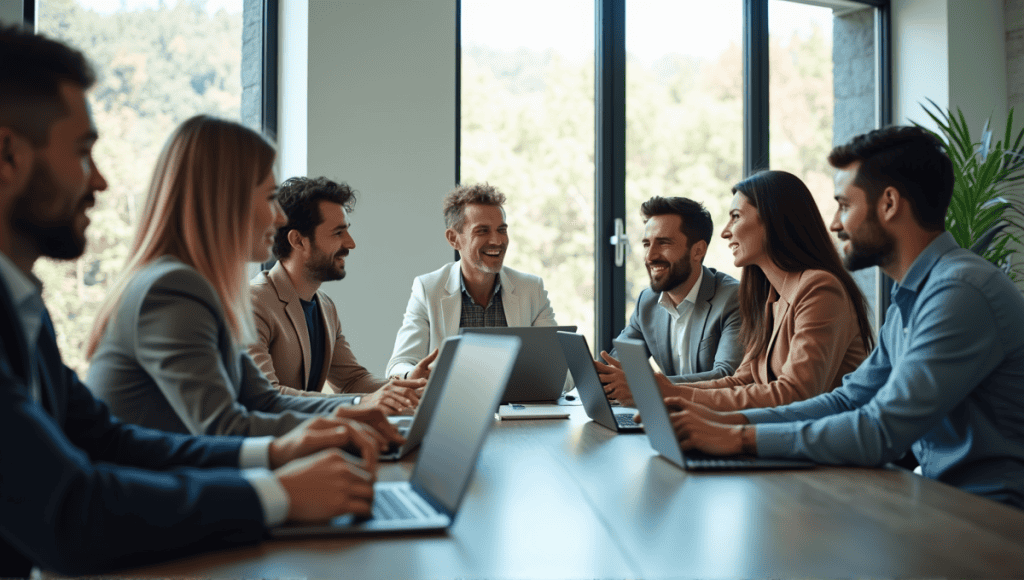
{"points": [[822, 93], [158, 62], [684, 116], [528, 129]]}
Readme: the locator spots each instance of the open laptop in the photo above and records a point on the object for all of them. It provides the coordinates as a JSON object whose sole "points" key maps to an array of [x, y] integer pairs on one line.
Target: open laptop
{"points": [[589, 387], [413, 428], [540, 372], [658, 425], [430, 499]]}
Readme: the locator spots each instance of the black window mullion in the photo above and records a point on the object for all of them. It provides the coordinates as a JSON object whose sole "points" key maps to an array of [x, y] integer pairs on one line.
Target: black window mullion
{"points": [[755, 86], [610, 166]]}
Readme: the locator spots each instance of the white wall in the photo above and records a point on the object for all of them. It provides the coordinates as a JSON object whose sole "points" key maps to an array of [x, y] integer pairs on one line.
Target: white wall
{"points": [[374, 106], [11, 11], [953, 52]]}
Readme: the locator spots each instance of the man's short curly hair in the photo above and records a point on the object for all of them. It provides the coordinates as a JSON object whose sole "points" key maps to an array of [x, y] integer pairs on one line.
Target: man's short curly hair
{"points": [[300, 198], [456, 201]]}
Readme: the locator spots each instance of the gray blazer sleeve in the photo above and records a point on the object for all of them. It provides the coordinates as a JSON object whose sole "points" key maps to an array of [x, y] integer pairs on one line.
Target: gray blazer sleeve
{"points": [[184, 345]]}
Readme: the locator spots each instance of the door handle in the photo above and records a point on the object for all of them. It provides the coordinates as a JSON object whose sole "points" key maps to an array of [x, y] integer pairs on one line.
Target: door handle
{"points": [[620, 241]]}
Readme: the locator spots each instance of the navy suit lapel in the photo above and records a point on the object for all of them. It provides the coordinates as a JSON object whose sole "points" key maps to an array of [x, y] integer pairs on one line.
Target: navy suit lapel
{"points": [[47, 361], [13, 337]]}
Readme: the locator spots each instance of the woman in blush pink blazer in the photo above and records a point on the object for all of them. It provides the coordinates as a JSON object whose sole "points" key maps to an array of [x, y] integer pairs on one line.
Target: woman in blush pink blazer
{"points": [[805, 321]]}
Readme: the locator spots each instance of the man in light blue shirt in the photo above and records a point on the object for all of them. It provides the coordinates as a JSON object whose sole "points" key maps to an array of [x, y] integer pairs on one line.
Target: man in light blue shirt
{"points": [[947, 377]]}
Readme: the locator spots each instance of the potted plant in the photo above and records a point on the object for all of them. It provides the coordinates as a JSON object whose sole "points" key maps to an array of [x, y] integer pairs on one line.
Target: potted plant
{"points": [[981, 215]]}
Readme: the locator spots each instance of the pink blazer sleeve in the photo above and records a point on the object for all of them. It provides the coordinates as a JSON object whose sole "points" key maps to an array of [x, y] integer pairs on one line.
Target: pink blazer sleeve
{"points": [[818, 341]]}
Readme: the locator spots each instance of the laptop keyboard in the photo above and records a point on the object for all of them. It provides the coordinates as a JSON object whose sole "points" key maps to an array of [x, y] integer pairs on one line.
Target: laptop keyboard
{"points": [[394, 504], [625, 420]]}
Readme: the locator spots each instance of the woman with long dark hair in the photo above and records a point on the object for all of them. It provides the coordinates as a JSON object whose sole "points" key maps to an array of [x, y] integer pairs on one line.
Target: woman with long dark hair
{"points": [[805, 322]]}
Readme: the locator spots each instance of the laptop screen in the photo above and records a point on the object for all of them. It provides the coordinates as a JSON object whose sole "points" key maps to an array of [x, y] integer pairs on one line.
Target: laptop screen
{"points": [[475, 381]]}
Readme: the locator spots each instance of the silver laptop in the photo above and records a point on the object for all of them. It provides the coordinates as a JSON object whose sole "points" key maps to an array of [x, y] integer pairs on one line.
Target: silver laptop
{"points": [[413, 428], [658, 425], [430, 500], [540, 373], [589, 387]]}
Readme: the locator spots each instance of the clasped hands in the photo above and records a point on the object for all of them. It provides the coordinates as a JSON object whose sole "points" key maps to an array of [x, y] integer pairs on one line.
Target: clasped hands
{"points": [[400, 396]]}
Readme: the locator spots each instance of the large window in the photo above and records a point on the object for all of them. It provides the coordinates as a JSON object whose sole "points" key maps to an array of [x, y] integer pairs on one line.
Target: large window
{"points": [[158, 62], [689, 96], [684, 116], [527, 127]]}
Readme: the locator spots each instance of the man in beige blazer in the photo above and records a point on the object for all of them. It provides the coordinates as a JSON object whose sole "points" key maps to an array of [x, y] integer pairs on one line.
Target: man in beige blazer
{"points": [[300, 346], [478, 290]]}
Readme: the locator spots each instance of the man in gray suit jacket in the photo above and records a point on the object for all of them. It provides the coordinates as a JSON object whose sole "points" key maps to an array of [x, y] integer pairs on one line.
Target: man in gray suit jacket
{"points": [[689, 318]]}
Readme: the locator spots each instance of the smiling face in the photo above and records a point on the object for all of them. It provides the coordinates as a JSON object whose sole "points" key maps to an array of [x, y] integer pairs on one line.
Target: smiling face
{"points": [[865, 243], [745, 233], [267, 216], [484, 238], [331, 242], [668, 254], [51, 212]]}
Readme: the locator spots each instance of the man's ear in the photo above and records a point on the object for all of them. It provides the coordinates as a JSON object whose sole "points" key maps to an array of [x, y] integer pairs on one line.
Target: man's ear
{"points": [[698, 251], [889, 204], [452, 237], [16, 158], [297, 240]]}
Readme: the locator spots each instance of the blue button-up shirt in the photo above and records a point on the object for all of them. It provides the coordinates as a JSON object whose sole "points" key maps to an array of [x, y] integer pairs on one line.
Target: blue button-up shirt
{"points": [[946, 380]]}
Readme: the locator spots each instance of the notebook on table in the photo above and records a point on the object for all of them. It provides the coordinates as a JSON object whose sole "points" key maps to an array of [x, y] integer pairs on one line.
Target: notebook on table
{"points": [[430, 500], [658, 425], [589, 387], [540, 372]]}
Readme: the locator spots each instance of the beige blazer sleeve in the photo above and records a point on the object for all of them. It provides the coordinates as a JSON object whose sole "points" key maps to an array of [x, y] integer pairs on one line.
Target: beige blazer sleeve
{"points": [[816, 340]]}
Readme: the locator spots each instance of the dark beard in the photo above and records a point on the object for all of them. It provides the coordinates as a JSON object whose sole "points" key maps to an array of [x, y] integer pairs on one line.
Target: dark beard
{"points": [[323, 268], [678, 273], [876, 250], [55, 239]]}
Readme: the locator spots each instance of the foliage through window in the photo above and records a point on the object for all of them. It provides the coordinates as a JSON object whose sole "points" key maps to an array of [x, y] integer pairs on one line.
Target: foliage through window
{"points": [[158, 63]]}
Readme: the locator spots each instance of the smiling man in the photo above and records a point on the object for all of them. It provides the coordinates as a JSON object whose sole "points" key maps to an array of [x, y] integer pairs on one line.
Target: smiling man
{"points": [[83, 493], [476, 291], [689, 318], [946, 379], [300, 345]]}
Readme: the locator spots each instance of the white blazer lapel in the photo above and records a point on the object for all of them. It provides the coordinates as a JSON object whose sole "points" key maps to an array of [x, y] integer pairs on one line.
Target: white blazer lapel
{"points": [[510, 300], [451, 302]]}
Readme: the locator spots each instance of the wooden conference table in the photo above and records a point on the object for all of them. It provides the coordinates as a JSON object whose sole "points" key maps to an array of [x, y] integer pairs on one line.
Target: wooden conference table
{"points": [[570, 499]]}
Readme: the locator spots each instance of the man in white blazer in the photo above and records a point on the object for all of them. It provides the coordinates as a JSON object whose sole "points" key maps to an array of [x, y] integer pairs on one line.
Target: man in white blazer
{"points": [[477, 290]]}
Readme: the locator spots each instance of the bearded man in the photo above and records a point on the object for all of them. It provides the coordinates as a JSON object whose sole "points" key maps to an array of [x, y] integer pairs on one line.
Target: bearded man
{"points": [[300, 346], [689, 318]]}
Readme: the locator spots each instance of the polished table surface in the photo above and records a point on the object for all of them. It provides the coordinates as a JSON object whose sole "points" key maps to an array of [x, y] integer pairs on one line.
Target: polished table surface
{"points": [[571, 499]]}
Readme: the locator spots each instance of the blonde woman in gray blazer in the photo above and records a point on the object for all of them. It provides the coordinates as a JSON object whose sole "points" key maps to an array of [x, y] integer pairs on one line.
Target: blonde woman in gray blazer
{"points": [[167, 349]]}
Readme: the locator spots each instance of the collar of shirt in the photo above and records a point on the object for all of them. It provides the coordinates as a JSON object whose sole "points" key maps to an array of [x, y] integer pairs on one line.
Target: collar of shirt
{"points": [[497, 287], [903, 294], [27, 294], [674, 311]]}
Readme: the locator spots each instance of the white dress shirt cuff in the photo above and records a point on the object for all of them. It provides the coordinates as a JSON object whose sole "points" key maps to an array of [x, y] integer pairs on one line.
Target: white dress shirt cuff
{"points": [[255, 452], [273, 497]]}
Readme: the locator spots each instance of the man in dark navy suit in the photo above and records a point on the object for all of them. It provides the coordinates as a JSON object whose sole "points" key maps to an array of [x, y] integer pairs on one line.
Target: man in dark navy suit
{"points": [[81, 492]]}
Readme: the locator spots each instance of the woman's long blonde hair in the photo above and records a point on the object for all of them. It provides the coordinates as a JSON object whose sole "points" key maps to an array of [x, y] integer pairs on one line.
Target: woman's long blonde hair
{"points": [[198, 211]]}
